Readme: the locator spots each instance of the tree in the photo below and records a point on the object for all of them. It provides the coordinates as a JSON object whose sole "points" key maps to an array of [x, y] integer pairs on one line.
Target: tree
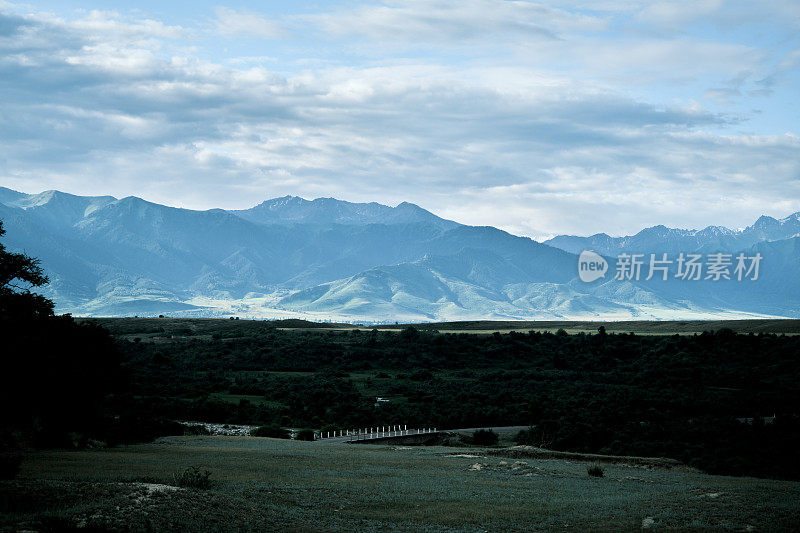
{"points": [[54, 372], [484, 437], [18, 275]]}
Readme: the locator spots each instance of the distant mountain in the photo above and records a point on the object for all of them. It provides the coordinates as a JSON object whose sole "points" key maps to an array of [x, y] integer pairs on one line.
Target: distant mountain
{"points": [[663, 239], [296, 210], [329, 259], [127, 242], [470, 283]]}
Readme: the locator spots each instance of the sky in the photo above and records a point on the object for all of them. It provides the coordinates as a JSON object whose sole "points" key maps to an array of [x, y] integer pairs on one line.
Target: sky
{"points": [[541, 118]]}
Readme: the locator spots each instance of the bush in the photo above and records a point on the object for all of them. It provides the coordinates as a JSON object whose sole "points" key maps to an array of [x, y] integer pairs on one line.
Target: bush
{"points": [[305, 434], [9, 464], [484, 437], [273, 431], [595, 470], [196, 429], [421, 375], [142, 427], [193, 478]]}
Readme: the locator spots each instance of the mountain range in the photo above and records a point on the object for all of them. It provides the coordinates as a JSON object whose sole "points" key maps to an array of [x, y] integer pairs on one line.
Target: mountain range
{"points": [[328, 259]]}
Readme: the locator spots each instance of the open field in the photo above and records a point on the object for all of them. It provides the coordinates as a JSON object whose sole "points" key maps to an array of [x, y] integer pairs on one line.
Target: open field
{"points": [[264, 483], [640, 327], [178, 329]]}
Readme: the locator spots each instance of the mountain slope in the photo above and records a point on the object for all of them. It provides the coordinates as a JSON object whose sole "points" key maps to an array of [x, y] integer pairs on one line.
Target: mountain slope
{"points": [[296, 210], [660, 239], [369, 262]]}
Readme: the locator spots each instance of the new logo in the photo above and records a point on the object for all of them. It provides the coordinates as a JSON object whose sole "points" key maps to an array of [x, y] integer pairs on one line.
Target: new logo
{"points": [[591, 266]]}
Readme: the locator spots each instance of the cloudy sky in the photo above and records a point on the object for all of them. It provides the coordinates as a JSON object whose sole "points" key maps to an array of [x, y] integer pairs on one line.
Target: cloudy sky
{"points": [[537, 117]]}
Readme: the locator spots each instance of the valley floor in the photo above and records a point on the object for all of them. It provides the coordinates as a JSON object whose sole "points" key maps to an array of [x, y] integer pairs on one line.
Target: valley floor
{"points": [[263, 484]]}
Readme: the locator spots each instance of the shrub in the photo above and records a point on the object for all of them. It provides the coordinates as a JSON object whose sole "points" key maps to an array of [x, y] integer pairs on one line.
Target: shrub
{"points": [[523, 436], [421, 375], [196, 429], [140, 428], [9, 464], [595, 470], [484, 437], [193, 478], [273, 431], [305, 434]]}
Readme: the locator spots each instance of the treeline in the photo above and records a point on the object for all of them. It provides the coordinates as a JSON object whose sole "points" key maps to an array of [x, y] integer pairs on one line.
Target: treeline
{"points": [[675, 396]]}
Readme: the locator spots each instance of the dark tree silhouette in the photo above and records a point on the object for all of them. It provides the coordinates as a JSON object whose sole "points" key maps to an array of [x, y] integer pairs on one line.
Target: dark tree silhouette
{"points": [[18, 275], [54, 372]]}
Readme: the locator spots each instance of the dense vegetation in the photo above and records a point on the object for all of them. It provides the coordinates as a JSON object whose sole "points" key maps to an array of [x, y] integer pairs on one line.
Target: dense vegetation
{"points": [[677, 396]]}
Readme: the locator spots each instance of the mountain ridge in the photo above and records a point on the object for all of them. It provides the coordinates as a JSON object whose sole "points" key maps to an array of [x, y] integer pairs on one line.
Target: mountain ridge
{"points": [[709, 239], [326, 210], [331, 259]]}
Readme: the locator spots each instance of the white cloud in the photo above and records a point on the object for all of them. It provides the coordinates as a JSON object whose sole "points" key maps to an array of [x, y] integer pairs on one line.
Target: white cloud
{"points": [[107, 104], [441, 21], [238, 23]]}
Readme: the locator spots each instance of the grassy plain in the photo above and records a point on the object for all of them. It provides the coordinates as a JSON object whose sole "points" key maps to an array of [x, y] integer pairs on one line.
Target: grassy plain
{"points": [[177, 329], [262, 484], [640, 327]]}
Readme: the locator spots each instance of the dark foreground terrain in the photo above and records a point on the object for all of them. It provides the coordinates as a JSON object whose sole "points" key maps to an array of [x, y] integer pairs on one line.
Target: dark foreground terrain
{"points": [[718, 408], [261, 484]]}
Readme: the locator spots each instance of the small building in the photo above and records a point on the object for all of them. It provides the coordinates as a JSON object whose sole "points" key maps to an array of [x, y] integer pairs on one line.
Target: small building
{"points": [[379, 401]]}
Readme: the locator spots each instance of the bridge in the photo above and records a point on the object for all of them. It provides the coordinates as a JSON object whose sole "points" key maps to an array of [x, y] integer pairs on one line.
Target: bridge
{"points": [[401, 434], [374, 435]]}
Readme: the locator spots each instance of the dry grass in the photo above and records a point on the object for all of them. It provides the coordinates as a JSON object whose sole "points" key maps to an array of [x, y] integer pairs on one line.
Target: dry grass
{"points": [[269, 483]]}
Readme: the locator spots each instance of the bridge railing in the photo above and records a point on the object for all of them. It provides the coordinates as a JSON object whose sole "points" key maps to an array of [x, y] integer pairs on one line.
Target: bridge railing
{"points": [[371, 433]]}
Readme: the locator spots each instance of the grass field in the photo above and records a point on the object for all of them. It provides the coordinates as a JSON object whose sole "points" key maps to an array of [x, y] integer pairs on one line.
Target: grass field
{"points": [[177, 329], [640, 327], [261, 484]]}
